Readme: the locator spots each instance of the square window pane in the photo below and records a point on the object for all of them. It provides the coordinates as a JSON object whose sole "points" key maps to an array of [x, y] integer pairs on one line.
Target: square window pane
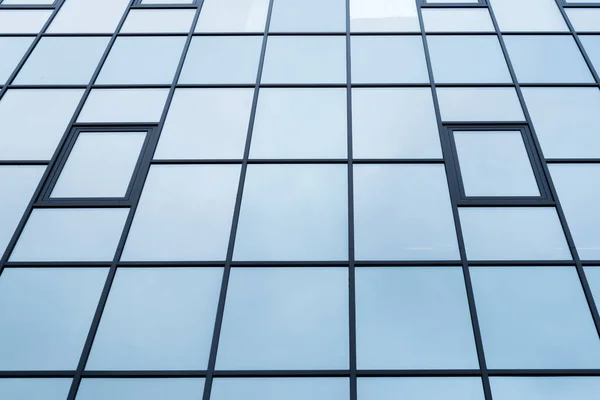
{"points": [[457, 20], [140, 389], [62, 60], [89, 16], [280, 388], [546, 388], [479, 104], [17, 183], [384, 16], [584, 19], [206, 124], [388, 59], [494, 163], [233, 16], [420, 388], [222, 59], [380, 131], [532, 15], [305, 59], [308, 16], [45, 316], [565, 120], [100, 164], [34, 388], [513, 233], [12, 49], [157, 319], [293, 213], [184, 214], [534, 317], [467, 59], [580, 200], [76, 234], [133, 60], [124, 105], [591, 45], [163, 21], [401, 325], [547, 59], [403, 212], [300, 123], [269, 308], [32, 121], [23, 21]]}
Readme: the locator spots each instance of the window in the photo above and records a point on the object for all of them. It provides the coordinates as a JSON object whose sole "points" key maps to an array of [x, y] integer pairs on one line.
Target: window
{"points": [[280, 388], [308, 16], [457, 20], [45, 315], [124, 105], [155, 21], [269, 308], [140, 388], [32, 388], [479, 104], [233, 16], [13, 49], [584, 19], [420, 388], [591, 45], [546, 388], [166, 2], [157, 319], [532, 15], [293, 212], [28, 2], [23, 21], [91, 16], [384, 16]]}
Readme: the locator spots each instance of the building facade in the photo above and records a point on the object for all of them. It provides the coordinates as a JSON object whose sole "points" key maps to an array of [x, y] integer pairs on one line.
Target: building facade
{"points": [[299, 199]]}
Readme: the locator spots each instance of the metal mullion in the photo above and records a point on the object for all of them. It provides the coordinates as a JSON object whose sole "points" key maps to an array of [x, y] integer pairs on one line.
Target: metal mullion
{"points": [[236, 214], [444, 141], [561, 215]]}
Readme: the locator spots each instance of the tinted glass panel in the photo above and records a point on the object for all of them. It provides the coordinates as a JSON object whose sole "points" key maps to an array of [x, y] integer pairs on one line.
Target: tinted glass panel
{"points": [[88, 16], [124, 105], [584, 19], [25, 389], [280, 388], [420, 388], [23, 21], [233, 16], [308, 16], [164, 21], [592, 48], [457, 20], [532, 15], [383, 16], [479, 104], [12, 50], [141, 389], [546, 388]]}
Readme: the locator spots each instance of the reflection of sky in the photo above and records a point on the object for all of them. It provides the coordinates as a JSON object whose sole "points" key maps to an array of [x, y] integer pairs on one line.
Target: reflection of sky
{"points": [[28, 388], [384, 15], [280, 388]]}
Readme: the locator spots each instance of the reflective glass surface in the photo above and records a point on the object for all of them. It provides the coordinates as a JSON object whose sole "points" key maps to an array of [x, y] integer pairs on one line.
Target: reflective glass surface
{"points": [[12, 50], [457, 20], [420, 388], [88, 16], [124, 105], [23, 21], [141, 389], [308, 16], [34, 388], [383, 16], [479, 104], [280, 388], [592, 48], [532, 15], [163, 21], [584, 19], [546, 388], [233, 16]]}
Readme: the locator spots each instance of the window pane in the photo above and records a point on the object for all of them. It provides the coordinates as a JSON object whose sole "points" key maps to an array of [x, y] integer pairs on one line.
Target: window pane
{"points": [[157, 319], [513, 233], [401, 325], [565, 120], [534, 317], [593, 278], [167, 1], [580, 200], [457, 20], [383, 16], [308, 16], [141, 389], [280, 388], [164, 21], [28, 2], [305, 59], [584, 19], [134, 60], [32, 122], [206, 124], [494, 164], [420, 388], [184, 214], [480, 104], [547, 59], [77, 234], [88, 16], [23, 21], [530, 15], [12, 49], [403, 212], [591, 45], [293, 213], [546, 388], [100, 165], [474, 59], [269, 308], [388, 59], [124, 105], [25, 389], [45, 315], [233, 16], [17, 184], [63, 60], [300, 123], [222, 59], [379, 130]]}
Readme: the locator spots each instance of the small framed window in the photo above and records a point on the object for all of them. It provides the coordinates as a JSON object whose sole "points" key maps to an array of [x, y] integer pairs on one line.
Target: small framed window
{"points": [[165, 3], [495, 164], [28, 3], [99, 165], [453, 3], [581, 3]]}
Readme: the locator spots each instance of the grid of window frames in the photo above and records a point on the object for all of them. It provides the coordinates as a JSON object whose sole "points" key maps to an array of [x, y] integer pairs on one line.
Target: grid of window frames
{"points": [[317, 199]]}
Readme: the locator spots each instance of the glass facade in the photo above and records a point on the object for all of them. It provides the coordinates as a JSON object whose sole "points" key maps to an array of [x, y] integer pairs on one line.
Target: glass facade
{"points": [[299, 199]]}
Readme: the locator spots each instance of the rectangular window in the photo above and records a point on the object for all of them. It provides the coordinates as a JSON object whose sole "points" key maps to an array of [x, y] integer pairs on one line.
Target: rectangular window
{"points": [[453, 3]]}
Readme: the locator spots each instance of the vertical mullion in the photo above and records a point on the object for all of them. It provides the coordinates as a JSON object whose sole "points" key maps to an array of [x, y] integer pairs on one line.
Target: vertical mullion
{"points": [[537, 147], [236, 214], [453, 183]]}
